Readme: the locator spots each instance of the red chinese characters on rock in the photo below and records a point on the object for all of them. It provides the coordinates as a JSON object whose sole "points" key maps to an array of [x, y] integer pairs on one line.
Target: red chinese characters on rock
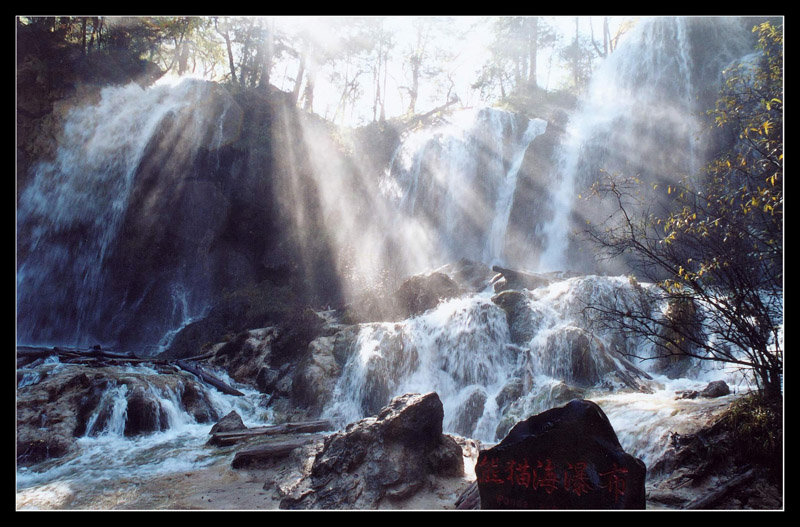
{"points": [[614, 481], [576, 480], [544, 476]]}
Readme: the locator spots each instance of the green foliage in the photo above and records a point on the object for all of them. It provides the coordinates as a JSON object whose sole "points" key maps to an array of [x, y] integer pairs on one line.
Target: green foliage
{"points": [[756, 424]]}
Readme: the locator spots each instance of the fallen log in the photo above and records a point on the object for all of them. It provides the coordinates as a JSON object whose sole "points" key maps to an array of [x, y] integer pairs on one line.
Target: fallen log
{"points": [[304, 427], [202, 356], [26, 351], [470, 499], [268, 451], [425, 118], [208, 378], [710, 499], [518, 279]]}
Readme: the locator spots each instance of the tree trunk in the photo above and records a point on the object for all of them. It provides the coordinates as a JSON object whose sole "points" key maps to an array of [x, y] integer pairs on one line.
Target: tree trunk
{"points": [[533, 40], [308, 94], [83, 35], [208, 378], [304, 427], [414, 90], [267, 452], [266, 58], [231, 63], [298, 81]]}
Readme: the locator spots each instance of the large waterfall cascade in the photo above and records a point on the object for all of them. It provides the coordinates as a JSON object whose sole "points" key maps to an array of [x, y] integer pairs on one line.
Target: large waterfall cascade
{"points": [[446, 195], [452, 186], [70, 215], [641, 116]]}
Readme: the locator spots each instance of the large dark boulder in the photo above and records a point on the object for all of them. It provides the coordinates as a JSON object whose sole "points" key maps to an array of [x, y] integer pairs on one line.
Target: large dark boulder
{"points": [[422, 292], [389, 456], [564, 458]]}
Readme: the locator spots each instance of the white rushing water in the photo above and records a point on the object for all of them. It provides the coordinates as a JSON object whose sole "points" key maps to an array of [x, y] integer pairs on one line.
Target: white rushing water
{"points": [[72, 210], [463, 350], [450, 187], [105, 455], [637, 117]]}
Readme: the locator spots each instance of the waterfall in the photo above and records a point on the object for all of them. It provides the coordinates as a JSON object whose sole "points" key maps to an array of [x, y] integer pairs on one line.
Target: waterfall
{"points": [[640, 116], [451, 187], [69, 216]]}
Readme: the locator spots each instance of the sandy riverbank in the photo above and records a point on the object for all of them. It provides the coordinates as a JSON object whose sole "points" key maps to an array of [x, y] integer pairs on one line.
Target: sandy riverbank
{"points": [[216, 487]]}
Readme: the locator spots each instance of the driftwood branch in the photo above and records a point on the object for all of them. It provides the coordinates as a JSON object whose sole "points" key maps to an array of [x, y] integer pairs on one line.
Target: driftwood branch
{"points": [[268, 451], [709, 500], [99, 357], [422, 118], [208, 378]]}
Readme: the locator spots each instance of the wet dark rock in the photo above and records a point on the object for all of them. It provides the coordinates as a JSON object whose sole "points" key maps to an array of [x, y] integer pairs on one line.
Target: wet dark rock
{"points": [[715, 389], [389, 456], [512, 391], [316, 375], [239, 311], [267, 378], [229, 423], [244, 356], [563, 458], [470, 276], [589, 362], [523, 321], [195, 402], [468, 414], [423, 292], [145, 414], [682, 325], [514, 279]]}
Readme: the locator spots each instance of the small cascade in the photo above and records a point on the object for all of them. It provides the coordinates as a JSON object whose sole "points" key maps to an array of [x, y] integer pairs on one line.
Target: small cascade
{"points": [[461, 345], [165, 436]]}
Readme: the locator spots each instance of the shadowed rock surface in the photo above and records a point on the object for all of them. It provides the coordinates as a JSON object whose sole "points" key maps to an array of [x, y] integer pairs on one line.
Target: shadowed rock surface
{"points": [[389, 456]]}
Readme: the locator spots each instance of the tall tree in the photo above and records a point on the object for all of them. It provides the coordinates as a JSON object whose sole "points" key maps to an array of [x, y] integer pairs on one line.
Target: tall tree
{"points": [[514, 55]]}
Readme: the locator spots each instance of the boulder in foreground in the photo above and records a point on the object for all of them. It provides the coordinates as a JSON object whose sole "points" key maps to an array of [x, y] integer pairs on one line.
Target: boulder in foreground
{"points": [[390, 456], [564, 458]]}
